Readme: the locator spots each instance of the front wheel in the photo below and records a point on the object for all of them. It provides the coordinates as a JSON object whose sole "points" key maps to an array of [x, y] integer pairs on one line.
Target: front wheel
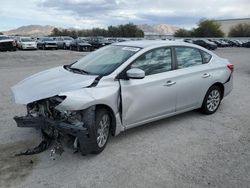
{"points": [[98, 124], [212, 100], [103, 124]]}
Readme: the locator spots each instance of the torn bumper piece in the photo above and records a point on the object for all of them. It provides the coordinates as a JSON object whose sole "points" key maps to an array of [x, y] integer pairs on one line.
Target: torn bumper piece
{"points": [[81, 133], [45, 123]]}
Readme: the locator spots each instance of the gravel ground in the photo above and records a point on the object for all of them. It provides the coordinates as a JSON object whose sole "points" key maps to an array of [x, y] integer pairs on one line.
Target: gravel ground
{"points": [[188, 150]]}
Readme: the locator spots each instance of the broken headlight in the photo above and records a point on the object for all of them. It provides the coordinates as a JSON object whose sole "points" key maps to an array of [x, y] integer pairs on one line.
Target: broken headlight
{"points": [[45, 107]]}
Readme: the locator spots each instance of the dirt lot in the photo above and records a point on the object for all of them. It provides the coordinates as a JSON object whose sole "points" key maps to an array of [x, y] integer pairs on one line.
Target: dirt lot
{"points": [[188, 150]]}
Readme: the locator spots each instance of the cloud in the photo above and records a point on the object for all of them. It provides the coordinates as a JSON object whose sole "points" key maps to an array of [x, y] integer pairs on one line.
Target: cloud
{"points": [[101, 13]]}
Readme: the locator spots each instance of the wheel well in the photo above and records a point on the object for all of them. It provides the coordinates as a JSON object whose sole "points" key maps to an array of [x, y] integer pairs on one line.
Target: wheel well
{"points": [[221, 86], [112, 115]]}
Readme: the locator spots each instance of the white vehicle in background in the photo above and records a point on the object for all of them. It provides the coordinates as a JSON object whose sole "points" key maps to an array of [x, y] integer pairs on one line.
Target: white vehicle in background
{"points": [[26, 43]]}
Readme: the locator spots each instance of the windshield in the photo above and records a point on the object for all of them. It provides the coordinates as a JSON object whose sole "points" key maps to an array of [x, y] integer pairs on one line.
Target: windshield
{"points": [[4, 37], [105, 60], [47, 39], [67, 38], [26, 40]]}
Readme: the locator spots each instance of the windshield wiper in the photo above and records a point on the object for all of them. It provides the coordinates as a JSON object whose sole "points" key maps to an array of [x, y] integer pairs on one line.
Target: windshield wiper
{"points": [[75, 70]]}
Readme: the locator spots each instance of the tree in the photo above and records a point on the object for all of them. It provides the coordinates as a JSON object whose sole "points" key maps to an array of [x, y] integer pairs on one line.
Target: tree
{"points": [[55, 32], [182, 33], [240, 30], [208, 28], [127, 30], [1, 33]]}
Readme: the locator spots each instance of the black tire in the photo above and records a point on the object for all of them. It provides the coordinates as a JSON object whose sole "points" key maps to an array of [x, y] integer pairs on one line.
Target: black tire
{"points": [[92, 119], [208, 106], [99, 115], [64, 47], [70, 48], [78, 48], [43, 47]]}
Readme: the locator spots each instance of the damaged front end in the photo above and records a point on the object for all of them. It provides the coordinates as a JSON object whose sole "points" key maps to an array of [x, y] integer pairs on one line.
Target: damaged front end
{"points": [[57, 126]]}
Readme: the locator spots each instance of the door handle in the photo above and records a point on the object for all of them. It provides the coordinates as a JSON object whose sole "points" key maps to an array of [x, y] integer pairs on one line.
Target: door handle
{"points": [[169, 83], [205, 75]]}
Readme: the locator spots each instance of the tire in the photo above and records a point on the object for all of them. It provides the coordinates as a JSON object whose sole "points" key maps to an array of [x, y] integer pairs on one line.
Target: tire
{"points": [[64, 47], [43, 47], [101, 115], [70, 48], [78, 48], [97, 140], [212, 100]]}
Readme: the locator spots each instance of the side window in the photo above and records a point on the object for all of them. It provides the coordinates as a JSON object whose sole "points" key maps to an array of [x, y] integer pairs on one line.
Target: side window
{"points": [[206, 56], [187, 57], [155, 61]]}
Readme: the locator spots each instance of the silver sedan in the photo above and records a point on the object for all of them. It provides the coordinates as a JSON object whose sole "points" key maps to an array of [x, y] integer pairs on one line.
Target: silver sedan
{"points": [[122, 86]]}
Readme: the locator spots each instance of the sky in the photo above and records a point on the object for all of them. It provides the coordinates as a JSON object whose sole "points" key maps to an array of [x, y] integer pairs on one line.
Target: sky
{"points": [[85, 14]]}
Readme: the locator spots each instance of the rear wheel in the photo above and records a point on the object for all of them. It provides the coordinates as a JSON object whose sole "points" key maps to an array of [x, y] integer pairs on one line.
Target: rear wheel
{"points": [[212, 100]]}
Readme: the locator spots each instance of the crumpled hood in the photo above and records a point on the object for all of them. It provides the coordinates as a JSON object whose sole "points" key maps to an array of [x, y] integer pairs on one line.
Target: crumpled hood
{"points": [[49, 83]]}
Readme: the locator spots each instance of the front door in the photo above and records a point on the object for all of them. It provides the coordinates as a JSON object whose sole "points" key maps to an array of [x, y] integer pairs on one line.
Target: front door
{"points": [[152, 96]]}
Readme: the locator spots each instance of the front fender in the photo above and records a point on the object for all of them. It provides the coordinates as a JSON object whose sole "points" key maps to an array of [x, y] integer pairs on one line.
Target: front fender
{"points": [[86, 97]]}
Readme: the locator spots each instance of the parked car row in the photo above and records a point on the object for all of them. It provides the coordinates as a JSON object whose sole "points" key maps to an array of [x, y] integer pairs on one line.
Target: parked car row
{"points": [[8, 43], [212, 44], [64, 42]]}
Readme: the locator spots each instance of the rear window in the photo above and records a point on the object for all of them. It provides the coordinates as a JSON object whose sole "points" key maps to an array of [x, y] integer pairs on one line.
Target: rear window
{"points": [[188, 57], [206, 56]]}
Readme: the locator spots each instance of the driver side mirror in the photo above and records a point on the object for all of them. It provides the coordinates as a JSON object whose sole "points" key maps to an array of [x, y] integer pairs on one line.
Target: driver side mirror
{"points": [[135, 73]]}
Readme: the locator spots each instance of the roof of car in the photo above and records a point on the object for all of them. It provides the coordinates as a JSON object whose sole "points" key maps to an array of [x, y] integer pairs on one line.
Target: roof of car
{"points": [[148, 43]]}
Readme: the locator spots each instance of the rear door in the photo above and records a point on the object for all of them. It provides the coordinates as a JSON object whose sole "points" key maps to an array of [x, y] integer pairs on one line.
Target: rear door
{"points": [[193, 75], [152, 96]]}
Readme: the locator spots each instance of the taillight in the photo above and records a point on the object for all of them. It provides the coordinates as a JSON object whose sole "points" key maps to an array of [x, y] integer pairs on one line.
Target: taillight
{"points": [[231, 67]]}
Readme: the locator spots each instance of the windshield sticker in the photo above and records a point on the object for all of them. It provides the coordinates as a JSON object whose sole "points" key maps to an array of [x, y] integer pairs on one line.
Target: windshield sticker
{"points": [[131, 49]]}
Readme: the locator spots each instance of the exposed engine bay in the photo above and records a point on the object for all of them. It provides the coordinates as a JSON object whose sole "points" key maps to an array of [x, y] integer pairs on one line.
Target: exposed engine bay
{"points": [[56, 126]]}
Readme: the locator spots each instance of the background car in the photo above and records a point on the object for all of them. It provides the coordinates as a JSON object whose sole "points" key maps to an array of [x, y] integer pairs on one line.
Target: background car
{"points": [[46, 43], [63, 42], [205, 44], [26, 43], [7, 44], [98, 42], [80, 45], [246, 44]]}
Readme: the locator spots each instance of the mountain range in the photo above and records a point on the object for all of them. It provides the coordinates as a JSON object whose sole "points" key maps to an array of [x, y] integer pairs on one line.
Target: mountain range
{"points": [[39, 30]]}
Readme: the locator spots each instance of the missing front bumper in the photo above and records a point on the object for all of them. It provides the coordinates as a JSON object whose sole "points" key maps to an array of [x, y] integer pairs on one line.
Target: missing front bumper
{"points": [[45, 123], [85, 142]]}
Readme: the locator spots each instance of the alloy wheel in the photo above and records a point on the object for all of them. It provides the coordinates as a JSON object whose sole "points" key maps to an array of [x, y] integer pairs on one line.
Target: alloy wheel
{"points": [[213, 100], [103, 130]]}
